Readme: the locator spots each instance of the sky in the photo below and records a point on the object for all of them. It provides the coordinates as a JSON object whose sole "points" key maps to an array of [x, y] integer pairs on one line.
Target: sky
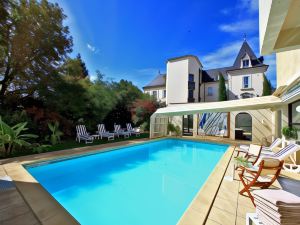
{"points": [[132, 39]]}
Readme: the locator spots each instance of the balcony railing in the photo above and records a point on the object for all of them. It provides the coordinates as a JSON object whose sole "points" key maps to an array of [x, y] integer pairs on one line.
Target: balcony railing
{"points": [[191, 85]]}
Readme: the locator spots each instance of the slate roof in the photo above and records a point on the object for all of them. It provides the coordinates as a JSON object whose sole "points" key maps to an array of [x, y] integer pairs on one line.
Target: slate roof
{"points": [[211, 74], [159, 80]]}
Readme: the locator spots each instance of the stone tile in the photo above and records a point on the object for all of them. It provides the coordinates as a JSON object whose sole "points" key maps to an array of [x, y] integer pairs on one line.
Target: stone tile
{"points": [[221, 216], [226, 205], [211, 222], [240, 220], [13, 211], [192, 217], [242, 210], [24, 219]]}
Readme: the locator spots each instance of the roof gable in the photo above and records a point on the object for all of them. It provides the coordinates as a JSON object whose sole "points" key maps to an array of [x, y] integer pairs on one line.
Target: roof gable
{"points": [[245, 49]]}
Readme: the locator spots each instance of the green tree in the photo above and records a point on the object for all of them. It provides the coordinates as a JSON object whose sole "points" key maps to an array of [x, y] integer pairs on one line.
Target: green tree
{"points": [[222, 88], [85, 71], [33, 44], [267, 87]]}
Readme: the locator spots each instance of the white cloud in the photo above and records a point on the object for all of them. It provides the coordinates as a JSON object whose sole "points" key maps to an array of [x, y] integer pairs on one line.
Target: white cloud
{"points": [[223, 56], [247, 26], [91, 47], [250, 6], [226, 54]]}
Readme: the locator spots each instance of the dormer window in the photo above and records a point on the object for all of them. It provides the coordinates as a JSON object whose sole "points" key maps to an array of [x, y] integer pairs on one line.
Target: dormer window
{"points": [[246, 63]]}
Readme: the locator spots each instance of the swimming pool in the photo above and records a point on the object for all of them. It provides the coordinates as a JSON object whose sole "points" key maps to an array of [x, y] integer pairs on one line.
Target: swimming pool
{"points": [[151, 183]]}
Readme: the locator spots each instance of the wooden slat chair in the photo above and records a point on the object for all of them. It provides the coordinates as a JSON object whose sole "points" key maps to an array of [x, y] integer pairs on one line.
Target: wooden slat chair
{"points": [[82, 134], [131, 130], [262, 176], [103, 133], [252, 154]]}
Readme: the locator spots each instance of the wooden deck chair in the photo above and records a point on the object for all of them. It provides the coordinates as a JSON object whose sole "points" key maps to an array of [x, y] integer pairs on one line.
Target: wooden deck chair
{"points": [[103, 133], [119, 132], [262, 176], [82, 134], [253, 153], [131, 130]]}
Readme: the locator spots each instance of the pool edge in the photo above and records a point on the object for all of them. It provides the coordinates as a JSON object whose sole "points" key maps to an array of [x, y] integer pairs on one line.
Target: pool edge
{"points": [[47, 209], [198, 210]]}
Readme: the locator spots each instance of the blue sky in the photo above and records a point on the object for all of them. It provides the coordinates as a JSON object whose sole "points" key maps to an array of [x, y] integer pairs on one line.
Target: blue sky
{"points": [[132, 39]]}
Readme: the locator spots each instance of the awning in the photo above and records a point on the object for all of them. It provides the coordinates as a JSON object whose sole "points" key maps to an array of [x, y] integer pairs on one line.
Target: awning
{"points": [[225, 106]]}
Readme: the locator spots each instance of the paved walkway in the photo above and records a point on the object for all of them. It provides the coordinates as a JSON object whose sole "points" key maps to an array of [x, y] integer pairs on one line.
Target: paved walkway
{"points": [[13, 208]]}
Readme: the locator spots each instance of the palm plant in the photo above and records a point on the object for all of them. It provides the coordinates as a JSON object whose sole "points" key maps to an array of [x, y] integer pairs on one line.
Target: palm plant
{"points": [[11, 136], [55, 133]]}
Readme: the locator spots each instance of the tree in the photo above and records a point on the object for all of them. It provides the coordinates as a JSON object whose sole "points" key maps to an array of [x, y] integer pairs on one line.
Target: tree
{"points": [[142, 110], [126, 94], [85, 72], [267, 87], [222, 89], [33, 44]]}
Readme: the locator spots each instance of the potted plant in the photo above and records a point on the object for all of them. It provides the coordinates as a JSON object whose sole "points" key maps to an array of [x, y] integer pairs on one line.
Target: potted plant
{"points": [[171, 129], [290, 134]]}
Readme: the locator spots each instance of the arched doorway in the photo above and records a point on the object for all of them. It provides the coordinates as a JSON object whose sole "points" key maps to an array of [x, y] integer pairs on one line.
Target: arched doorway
{"points": [[243, 126]]}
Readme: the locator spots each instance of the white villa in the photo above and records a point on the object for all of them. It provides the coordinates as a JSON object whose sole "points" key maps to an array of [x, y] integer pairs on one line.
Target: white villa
{"points": [[186, 81], [191, 92]]}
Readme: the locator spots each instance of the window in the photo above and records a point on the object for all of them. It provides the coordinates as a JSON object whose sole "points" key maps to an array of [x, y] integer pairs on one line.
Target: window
{"points": [[246, 82], [154, 94], [209, 91], [294, 114], [191, 94], [191, 77], [164, 93], [245, 63]]}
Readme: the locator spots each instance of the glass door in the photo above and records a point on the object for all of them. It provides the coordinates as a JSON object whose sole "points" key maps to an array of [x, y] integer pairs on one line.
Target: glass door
{"points": [[187, 125]]}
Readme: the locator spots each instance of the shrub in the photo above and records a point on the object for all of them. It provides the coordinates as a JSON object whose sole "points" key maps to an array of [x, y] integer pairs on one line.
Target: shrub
{"points": [[290, 132], [11, 136]]}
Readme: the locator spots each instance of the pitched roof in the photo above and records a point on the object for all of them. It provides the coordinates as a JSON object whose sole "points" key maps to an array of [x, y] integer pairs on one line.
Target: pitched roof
{"points": [[211, 74], [246, 49], [159, 80]]}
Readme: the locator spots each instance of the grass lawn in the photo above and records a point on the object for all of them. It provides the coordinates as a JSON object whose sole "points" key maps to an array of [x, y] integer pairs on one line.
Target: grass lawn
{"points": [[71, 143]]}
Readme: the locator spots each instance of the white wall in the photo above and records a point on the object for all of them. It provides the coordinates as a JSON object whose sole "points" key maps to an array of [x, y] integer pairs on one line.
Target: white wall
{"points": [[204, 92], [235, 84], [160, 93], [288, 66], [177, 81]]}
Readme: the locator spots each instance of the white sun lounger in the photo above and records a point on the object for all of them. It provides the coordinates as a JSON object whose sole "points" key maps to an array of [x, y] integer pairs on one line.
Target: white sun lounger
{"points": [[274, 144], [285, 152], [119, 132], [131, 130], [82, 134], [103, 133]]}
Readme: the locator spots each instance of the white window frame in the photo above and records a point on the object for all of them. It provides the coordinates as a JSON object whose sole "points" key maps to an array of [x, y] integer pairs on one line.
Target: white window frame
{"points": [[244, 60], [249, 81], [155, 96], [210, 93]]}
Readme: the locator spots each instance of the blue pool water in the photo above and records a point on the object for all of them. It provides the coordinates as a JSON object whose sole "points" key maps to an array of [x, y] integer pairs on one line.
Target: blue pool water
{"points": [[152, 183]]}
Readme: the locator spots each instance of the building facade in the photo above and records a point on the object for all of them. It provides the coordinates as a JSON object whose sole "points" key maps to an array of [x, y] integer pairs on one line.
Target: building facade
{"points": [[186, 81]]}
